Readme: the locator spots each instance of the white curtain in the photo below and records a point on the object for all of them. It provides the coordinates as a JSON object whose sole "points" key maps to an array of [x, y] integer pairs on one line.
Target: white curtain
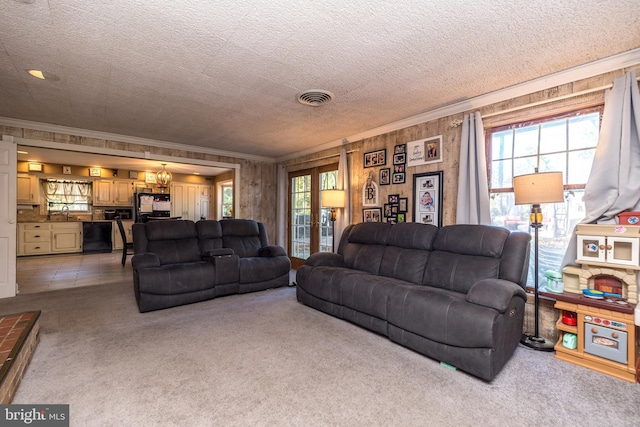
{"points": [[343, 216], [614, 183], [281, 207], [473, 188]]}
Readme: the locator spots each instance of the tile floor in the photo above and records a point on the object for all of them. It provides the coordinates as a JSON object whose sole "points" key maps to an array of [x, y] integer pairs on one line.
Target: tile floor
{"points": [[51, 272]]}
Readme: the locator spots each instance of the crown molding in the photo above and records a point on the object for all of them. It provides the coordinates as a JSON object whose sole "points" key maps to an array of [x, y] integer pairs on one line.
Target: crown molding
{"points": [[612, 63], [46, 127]]}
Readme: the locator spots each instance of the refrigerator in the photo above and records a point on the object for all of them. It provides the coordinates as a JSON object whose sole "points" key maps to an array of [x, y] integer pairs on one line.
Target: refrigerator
{"points": [[151, 205]]}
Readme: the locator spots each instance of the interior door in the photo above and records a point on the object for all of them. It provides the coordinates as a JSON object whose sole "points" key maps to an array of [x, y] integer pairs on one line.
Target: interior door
{"points": [[310, 229], [8, 184]]}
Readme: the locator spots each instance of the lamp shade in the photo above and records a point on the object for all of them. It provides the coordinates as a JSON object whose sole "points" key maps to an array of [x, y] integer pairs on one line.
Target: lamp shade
{"points": [[537, 188], [333, 198]]}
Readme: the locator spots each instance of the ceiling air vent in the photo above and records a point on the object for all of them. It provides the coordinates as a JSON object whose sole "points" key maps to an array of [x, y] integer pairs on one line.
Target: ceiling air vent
{"points": [[315, 97]]}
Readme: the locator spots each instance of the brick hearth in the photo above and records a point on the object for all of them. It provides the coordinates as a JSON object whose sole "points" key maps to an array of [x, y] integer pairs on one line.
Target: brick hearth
{"points": [[19, 335]]}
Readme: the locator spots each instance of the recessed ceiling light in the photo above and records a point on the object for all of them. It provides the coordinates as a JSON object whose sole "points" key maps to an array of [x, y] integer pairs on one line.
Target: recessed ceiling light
{"points": [[43, 75]]}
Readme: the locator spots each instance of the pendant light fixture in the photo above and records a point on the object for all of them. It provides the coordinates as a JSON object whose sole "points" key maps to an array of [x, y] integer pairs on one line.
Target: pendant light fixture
{"points": [[163, 177]]}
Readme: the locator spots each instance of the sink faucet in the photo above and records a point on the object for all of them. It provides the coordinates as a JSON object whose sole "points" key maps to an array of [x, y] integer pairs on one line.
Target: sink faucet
{"points": [[65, 210]]}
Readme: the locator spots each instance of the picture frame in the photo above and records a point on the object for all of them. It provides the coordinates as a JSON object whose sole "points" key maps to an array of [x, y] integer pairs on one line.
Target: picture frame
{"points": [[399, 178], [375, 158], [387, 210], [385, 176], [372, 215], [66, 170], [401, 217], [399, 159], [403, 202], [392, 219], [427, 198], [94, 171], [400, 148], [370, 192], [150, 178], [35, 167], [393, 198], [133, 174], [424, 151]]}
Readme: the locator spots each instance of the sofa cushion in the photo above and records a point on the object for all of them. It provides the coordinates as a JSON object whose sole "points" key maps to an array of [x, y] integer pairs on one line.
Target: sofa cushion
{"points": [[482, 240], [366, 244], [241, 235], [177, 278], [173, 241], [209, 235], [442, 316], [457, 272], [261, 269], [324, 282], [368, 294], [464, 254], [412, 235]]}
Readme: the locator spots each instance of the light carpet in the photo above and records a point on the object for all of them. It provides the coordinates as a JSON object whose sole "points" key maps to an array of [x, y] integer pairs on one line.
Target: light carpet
{"points": [[265, 359]]}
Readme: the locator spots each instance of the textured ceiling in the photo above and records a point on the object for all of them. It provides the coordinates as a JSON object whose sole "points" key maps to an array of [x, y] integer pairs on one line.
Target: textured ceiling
{"points": [[225, 75]]}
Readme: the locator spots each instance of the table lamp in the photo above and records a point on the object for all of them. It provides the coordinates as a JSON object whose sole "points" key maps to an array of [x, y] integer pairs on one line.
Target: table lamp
{"points": [[534, 189], [333, 199]]}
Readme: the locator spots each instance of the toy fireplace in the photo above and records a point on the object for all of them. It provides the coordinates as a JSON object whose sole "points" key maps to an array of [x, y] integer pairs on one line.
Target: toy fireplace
{"points": [[609, 256]]}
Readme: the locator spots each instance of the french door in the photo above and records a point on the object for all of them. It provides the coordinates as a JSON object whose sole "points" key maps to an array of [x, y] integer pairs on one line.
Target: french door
{"points": [[310, 229]]}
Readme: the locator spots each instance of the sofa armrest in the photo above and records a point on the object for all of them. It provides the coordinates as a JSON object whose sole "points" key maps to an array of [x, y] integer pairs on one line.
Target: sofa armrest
{"points": [[272, 251], [327, 259], [145, 260], [217, 252], [495, 293]]}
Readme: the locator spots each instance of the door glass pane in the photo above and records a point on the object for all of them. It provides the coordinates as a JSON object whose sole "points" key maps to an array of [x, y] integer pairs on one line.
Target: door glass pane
{"points": [[301, 216], [328, 181]]}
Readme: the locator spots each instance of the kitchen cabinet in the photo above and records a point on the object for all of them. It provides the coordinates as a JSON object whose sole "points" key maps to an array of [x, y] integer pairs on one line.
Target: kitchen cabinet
{"points": [[42, 238], [117, 239], [608, 245], [66, 237], [28, 189], [33, 239], [190, 201], [112, 193]]}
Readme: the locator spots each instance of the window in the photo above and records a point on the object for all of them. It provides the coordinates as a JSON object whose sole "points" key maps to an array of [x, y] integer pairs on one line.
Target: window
{"points": [[67, 195], [225, 200], [564, 143]]}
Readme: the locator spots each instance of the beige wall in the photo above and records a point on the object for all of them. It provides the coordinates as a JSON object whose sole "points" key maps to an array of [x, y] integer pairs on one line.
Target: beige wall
{"points": [[450, 129]]}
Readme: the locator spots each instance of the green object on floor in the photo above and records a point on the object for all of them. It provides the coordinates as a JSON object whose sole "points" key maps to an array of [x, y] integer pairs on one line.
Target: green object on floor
{"points": [[446, 365]]}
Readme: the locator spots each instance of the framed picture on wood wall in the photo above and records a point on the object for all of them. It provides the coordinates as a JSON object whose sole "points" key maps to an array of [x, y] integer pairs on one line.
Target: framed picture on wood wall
{"points": [[427, 198], [424, 151], [372, 215], [375, 158]]}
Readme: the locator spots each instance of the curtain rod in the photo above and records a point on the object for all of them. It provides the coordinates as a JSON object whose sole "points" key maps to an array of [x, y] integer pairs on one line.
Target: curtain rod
{"points": [[318, 158], [546, 101]]}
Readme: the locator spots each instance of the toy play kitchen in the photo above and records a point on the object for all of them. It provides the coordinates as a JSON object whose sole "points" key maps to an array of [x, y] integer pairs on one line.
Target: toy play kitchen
{"points": [[597, 306]]}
